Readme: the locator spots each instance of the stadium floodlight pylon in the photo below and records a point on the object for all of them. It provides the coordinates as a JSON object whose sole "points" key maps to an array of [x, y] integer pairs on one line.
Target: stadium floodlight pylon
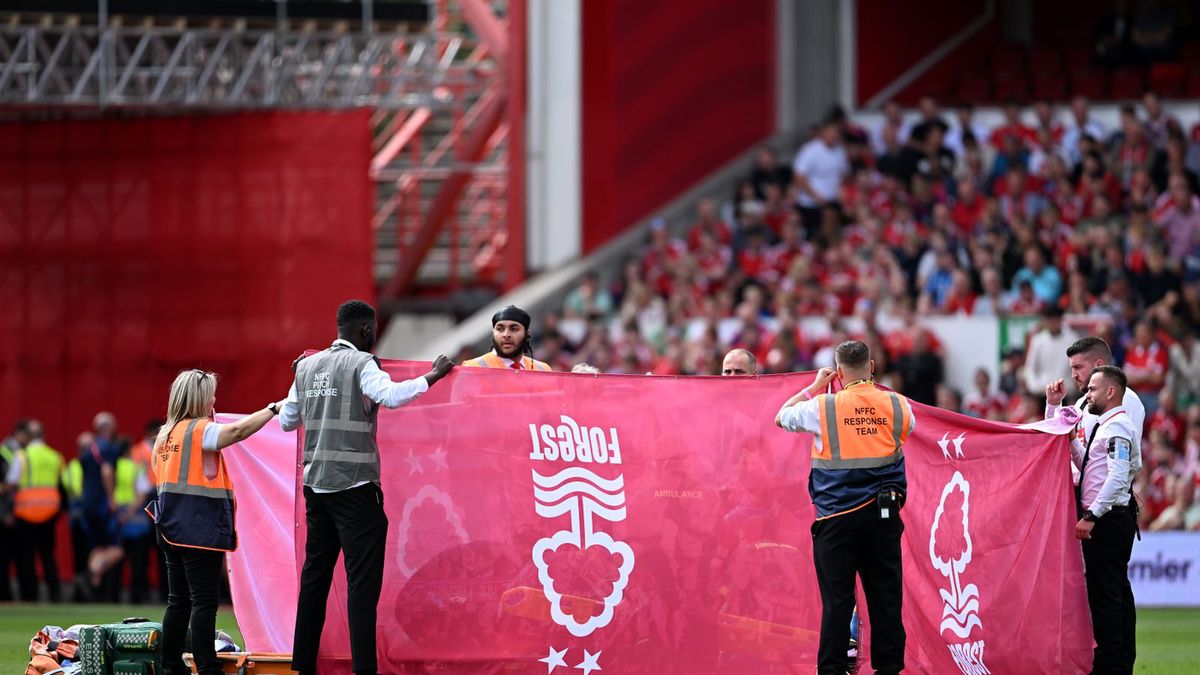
{"points": [[205, 68]]}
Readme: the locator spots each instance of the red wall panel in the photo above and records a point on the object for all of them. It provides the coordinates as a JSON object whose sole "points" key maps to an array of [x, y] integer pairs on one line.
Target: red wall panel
{"points": [[671, 91], [891, 37], [133, 248]]}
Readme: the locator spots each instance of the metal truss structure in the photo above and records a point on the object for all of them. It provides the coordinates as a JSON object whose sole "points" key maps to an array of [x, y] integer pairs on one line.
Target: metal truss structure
{"points": [[138, 66], [442, 123]]}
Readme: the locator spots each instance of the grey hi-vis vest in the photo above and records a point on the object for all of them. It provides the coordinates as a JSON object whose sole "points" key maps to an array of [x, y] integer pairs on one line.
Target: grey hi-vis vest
{"points": [[339, 421]]}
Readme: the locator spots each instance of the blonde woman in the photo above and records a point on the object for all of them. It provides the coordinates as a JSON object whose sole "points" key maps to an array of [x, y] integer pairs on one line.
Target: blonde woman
{"points": [[193, 513]]}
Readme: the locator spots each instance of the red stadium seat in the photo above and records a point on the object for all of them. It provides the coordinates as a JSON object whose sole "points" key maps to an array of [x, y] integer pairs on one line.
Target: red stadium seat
{"points": [[1190, 55], [975, 89], [1089, 82], [1127, 83], [1167, 79], [1079, 56]]}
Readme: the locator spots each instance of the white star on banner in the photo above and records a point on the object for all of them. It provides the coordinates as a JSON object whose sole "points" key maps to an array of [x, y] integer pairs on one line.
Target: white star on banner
{"points": [[439, 460], [590, 662], [414, 463], [554, 659]]}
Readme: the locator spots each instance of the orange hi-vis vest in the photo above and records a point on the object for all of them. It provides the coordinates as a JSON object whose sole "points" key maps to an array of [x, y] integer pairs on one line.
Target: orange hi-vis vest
{"points": [[862, 427], [493, 360], [192, 509], [37, 499]]}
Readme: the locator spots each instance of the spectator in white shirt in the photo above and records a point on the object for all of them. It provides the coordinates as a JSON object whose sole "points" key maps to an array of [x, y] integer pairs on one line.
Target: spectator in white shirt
{"points": [[1082, 125], [1043, 362], [964, 125], [819, 169], [893, 124]]}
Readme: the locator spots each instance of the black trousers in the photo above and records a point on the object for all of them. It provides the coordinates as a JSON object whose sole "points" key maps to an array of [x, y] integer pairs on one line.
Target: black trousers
{"points": [[863, 544], [351, 521], [8, 561], [37, 541], [194, 577], [1110, 597], [137, 554]]}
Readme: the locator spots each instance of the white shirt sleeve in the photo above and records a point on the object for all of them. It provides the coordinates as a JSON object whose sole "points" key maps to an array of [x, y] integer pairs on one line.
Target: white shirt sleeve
{"points": [[804, 416], [1052, 410], [289, 414], [377, 386], [14, 471], [804, 160], [1118, 451], [212, 434], [912, 418]]}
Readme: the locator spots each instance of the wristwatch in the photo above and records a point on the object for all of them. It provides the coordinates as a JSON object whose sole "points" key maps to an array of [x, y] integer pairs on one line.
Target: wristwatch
{"points": [[273, 406], [1090, 517]]}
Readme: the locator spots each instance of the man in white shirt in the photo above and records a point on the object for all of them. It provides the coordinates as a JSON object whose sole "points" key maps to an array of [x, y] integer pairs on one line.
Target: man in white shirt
{"points": [[819, 169], [337, 394], [1043, 362], [1083, 125], [1108, 462], [1084, 355], [965, 125]]}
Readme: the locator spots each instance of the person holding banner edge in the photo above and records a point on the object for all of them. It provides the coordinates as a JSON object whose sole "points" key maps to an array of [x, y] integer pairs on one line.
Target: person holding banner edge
{"points": [[857, 484], [511, 343], [343, 388], [1107, 463]]}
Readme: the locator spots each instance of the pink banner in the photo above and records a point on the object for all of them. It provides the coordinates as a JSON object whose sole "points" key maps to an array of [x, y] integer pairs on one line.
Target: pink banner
{"points": [[558, 523]]}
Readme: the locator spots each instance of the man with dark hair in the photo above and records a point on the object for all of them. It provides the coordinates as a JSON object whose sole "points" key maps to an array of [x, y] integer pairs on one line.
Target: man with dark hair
{"points": [[739, 362], [343, 387], [857, 486], [511, 344], [1107, 463], [1084, 355]]}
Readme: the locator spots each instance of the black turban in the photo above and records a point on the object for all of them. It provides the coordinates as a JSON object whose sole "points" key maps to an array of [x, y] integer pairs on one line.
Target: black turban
{"points": [[512, 313]]}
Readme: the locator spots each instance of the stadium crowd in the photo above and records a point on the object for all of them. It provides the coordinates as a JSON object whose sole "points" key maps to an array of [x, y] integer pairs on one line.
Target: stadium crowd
{"points": [[863, 233], [866, 231]]}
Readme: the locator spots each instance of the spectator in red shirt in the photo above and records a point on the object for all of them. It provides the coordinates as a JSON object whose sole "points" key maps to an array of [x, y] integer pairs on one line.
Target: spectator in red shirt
{"points": [[1167, 419], [707, 220], [1043, 111], [1013, 127], [662, 257], [753, 259], [1146, 365], [1026, 302], [968, 208], [982, 402]]}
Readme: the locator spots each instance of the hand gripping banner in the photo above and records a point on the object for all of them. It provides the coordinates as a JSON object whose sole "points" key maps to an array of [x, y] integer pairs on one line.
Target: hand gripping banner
{"points": [[556, 523]]}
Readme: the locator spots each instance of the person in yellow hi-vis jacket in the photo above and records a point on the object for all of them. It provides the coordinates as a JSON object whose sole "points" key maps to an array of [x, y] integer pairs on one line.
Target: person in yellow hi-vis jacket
{"points": [[857, 486], [511, 345], [35, 474]]}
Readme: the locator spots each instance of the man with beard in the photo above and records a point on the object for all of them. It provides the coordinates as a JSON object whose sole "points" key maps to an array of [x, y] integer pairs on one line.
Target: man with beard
{"points": [[1084, 355], [1107, 463], [336, 395], [511, 347]]}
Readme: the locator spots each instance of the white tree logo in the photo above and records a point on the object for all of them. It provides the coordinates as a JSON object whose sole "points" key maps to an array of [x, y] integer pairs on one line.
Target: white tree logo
{"points": [[950, 552], [585, 497]]}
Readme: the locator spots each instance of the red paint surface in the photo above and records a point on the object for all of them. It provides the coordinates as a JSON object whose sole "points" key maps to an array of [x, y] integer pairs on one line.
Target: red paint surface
{"points": [[671, 91], [133, 248]]}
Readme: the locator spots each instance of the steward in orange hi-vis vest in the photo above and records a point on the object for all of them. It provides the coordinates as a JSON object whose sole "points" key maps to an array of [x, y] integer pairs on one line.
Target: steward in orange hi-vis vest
{"points": [[859, 448], [510, 343], [490, 360], [192, 509]]}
